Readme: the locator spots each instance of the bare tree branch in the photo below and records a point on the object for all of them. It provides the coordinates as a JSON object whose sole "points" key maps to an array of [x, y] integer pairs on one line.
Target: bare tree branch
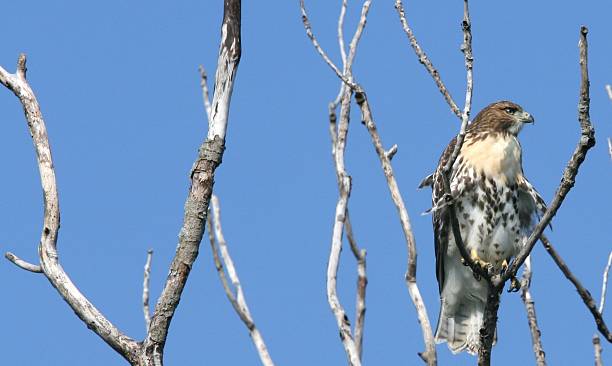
{"points": [[362, 282], [429, 356], [360, 254], [598, 350], [238, 301], [49, 259], [35, 268], [202, 180], [532, 319], [424, 60], [583, 292], [204, 86], [344, 185], [145, 289]]}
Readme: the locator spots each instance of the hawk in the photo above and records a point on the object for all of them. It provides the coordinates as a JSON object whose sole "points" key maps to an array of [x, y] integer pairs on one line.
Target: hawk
{"points": [[495, 206]]}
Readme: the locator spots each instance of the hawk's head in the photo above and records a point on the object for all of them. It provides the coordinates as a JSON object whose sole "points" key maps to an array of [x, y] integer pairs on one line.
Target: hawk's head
{"points": [[501, 116]]}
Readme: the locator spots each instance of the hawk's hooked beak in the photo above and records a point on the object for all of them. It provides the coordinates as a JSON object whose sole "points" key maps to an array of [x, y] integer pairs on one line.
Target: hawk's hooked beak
{"points": [[526, 117]]}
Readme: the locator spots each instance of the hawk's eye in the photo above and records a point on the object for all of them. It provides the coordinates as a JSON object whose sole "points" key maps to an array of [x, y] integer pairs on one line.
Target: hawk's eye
{"points": [[510, 110]]}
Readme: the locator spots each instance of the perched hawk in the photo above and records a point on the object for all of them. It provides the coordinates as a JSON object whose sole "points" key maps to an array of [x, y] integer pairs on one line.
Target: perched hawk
{"points": [[495, 207]]}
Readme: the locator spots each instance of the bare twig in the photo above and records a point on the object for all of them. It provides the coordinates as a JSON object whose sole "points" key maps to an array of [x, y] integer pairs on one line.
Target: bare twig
{"points": [[602, 302], [238, 301], [609, 90], [424, 60], [583, 292], [532, 319], [35, 268], [204, 86], [202, 180], [604, 284], [49, 259], [145, 289], [341, 31]]}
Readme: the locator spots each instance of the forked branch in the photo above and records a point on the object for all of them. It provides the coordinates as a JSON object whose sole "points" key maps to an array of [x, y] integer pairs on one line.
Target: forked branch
{"points": [[150, 351]]}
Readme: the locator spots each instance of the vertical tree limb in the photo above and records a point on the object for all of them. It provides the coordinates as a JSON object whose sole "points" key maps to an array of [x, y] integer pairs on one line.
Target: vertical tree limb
{"points": [[238, 301], [202, 180], [145, 289], [532, 319]]}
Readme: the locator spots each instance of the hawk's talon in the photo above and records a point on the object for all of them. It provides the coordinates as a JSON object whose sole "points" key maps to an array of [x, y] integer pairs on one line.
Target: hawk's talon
{"points": [[515, 284]]}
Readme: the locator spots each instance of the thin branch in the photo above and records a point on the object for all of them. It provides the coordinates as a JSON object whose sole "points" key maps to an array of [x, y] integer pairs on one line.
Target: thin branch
{"points": [[202, 180], [424, 60], [204, 86], [344, 187], [35, 268], [362, 282], [598, 350], [320, 50], [609, 90], [49, 259], [341, 32], [532, 319], [145, 289], [602, 302], [429, 356], [604, 284], [583, 292], [238, 301]]}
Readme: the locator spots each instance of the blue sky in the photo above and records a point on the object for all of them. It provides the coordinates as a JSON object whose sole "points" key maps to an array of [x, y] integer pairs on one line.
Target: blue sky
{"points": [[119, 89]]}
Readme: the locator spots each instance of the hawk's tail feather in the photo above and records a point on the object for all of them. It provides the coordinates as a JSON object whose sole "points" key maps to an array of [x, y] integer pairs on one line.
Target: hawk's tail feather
{"points": [[461, 329]]}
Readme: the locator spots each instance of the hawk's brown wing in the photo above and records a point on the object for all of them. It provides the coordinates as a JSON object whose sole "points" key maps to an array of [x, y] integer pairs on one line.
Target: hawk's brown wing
{"points": [[441, 220]]}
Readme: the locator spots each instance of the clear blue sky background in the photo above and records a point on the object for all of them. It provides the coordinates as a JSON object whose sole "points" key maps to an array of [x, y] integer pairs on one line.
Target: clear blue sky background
{"points": [[119, 89]]}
